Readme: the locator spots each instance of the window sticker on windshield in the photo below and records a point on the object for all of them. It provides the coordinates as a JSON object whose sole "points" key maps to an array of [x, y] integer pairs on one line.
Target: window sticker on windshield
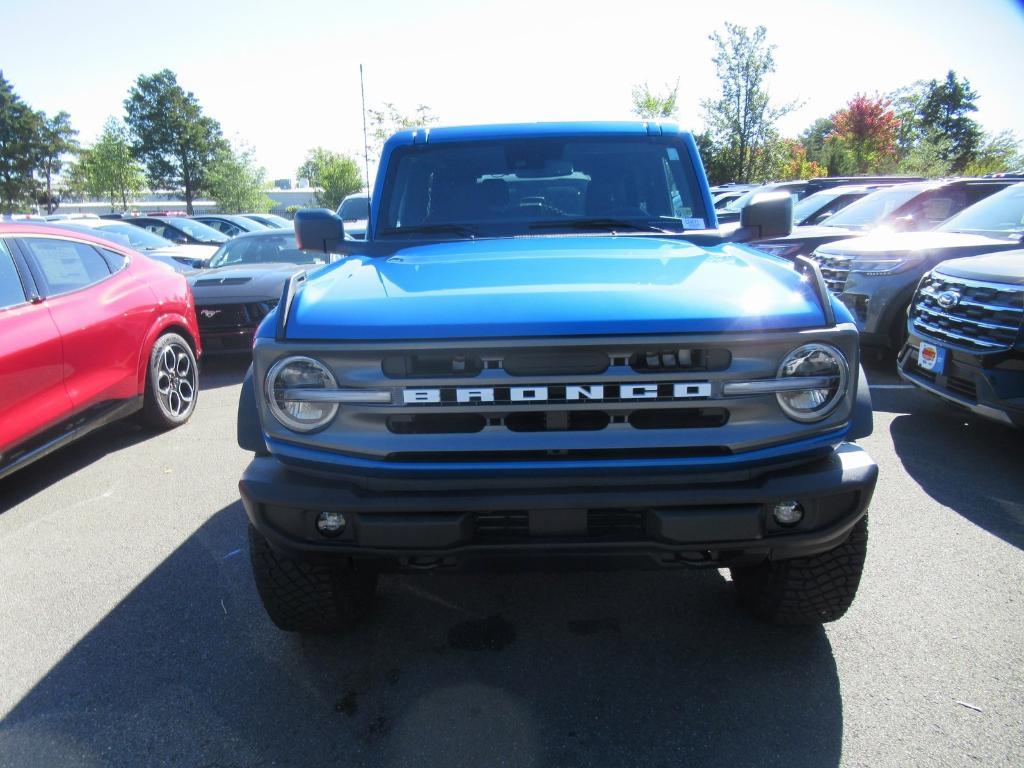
{"points": [[693, 223]]}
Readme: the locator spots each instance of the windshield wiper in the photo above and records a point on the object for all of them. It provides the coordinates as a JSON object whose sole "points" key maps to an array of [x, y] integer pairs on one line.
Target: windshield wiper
{"points": [[611, 224], [430, 229]]}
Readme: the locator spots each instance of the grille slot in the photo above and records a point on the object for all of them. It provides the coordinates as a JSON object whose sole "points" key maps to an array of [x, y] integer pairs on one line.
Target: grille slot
{"points": [[601, 523], [834, 268], [555, 363], [621, 523], [427, 364], [502, 525], [436, 423], [679, 418], [963, 387], [985, 317], [557, 421], [668, 360]]}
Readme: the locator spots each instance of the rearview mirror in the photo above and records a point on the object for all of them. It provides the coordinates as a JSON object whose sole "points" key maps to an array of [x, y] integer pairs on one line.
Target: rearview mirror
{"points": [[318, 229], [768, 214]]}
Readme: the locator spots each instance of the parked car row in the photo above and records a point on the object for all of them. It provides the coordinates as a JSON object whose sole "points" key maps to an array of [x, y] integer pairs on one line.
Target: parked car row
{"points": [[934, 272]]}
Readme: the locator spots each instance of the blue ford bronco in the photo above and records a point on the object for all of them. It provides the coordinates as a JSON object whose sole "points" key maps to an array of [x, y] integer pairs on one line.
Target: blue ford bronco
{"points": [[543, 352]]}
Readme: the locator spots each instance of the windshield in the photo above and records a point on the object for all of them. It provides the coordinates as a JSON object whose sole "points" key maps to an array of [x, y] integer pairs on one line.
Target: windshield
{"points": [[198, 230], [529, 185], [138, 238], [871, 209], [265, 249], [811, 204], [355, 208], [271, 220], [1001, 215]]}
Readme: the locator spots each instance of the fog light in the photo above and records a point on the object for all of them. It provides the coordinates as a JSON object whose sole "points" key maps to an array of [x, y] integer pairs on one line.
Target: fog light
{"points": [[330, 523], [788, 512]]}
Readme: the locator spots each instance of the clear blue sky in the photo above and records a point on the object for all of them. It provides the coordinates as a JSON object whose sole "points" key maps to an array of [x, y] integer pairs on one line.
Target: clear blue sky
{"points": [[285, 76]]}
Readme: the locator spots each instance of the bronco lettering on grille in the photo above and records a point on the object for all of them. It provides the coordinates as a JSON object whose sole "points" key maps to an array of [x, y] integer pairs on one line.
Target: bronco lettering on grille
{"points": [[564, 393]]}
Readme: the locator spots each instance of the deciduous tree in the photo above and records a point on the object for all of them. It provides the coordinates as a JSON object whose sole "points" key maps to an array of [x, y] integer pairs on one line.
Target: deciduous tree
{"points": [[334, 174], [171, 136], [236, 183], [742, 121], [998, 153], [56, 140], [108, 168], [648, 105], [867, 125]]}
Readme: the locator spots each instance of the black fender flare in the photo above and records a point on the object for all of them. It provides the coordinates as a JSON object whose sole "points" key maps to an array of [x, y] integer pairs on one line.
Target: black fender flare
{"points": [[862, 419], [249, 432]]}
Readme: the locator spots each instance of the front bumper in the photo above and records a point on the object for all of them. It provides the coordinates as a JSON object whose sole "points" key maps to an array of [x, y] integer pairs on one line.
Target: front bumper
{"points": [[228, 340], [988, 385], [673, 525]]}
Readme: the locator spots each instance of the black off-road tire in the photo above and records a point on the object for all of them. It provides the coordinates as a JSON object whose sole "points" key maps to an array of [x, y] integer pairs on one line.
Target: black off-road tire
{"points": [[805, 590], [172, 383], [309, 597]]}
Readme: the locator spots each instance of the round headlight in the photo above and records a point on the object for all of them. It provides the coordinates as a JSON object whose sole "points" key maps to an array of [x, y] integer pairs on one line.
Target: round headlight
{"points": [[291, 385], [828, 367]]}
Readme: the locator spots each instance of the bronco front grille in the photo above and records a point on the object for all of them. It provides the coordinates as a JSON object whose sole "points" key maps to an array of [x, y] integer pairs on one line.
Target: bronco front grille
{"points": [[573, 401], [980, 316], [835, 268]]}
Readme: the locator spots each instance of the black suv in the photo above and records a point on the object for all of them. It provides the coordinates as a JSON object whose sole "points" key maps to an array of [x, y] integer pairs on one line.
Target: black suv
{"points": [[966, 343], [912, 207]]}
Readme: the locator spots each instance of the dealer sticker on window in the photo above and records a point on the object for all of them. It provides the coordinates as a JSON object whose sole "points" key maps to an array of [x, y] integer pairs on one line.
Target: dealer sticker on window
{"points": [[693, 223], [931, 358]]}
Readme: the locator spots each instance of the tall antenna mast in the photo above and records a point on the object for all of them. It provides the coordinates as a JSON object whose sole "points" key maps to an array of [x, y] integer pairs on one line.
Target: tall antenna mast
{"points": [[366, 140]]}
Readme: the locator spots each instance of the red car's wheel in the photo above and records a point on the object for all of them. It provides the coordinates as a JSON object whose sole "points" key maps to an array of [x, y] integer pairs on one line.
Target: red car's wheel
{"points": [[172, 383]]}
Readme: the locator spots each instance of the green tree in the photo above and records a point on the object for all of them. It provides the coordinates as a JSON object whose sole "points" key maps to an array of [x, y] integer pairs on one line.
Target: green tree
{"points": [[171, 135], [945, 111], [334, 174], [236, 183], [998, 153], [741, 122], [926, 158], [648, 105], [826, 149], [906, 105], [56, 140], [108, 169], [19, 149], [388, 120]]}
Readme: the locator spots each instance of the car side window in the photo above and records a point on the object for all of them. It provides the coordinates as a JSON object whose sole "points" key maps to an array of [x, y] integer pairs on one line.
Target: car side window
{"points": [[115, 261], [11, 291], [65, 265]]}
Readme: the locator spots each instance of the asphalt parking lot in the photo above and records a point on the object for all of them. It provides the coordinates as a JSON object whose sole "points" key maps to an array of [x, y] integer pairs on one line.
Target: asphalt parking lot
{"points": [[132, 634]]}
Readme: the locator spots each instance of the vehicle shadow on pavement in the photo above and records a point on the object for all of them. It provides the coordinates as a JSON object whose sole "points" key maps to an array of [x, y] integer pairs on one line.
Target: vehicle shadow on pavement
{"points": [[223, 371], [966, 463], [39, 475], [532, 669]]}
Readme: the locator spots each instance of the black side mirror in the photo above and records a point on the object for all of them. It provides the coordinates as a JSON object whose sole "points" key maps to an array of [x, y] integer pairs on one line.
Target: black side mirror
{"points": [[318, 229], [768, 214]]}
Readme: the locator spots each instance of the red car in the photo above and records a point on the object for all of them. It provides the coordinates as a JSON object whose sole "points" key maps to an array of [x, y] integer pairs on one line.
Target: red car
{"points": [[90, 331]]}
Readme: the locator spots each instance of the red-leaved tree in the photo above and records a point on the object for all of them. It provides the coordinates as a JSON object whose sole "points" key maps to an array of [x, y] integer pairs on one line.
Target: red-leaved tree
{"points": [[867, 126]]}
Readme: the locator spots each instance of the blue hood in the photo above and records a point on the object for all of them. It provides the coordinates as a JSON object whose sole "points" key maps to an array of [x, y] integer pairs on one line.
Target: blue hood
{"points": [[552, 286]]}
